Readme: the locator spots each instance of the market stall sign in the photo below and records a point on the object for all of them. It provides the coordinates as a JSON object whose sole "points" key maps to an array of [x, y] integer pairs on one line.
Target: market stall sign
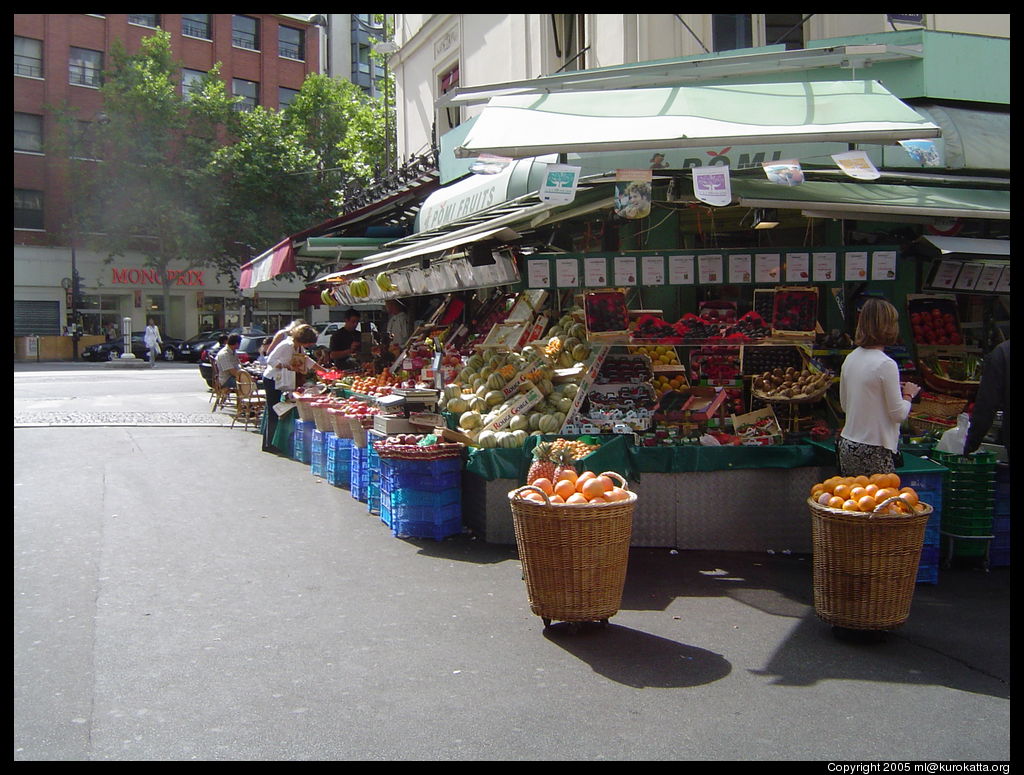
{"points": [[152, 277]]}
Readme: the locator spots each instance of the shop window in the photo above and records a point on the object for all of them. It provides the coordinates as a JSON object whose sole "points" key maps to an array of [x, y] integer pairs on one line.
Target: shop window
{"points": [[291, 43], [249, 91], [196, 25], [28, 57], [85, 67], [145, 19], [28, 132], [28, 209], [245, 32]]}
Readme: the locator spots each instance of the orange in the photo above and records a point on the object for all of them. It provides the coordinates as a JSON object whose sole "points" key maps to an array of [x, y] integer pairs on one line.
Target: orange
{"points": [[851, 505], [565, 488], [577, 497], [892, 480], [878, 478], [557, 499], [544, 484], [534, 496], [584, 477], [885, 492], [858, 492], [842, 491], [835, 502], [862, 480], [871, 489], [816, 489], [606, 482], [824, 498], [593, 488], [909, 497], [867, 503], [831, 482], [617, 494], [568, 474], [597, 500]]}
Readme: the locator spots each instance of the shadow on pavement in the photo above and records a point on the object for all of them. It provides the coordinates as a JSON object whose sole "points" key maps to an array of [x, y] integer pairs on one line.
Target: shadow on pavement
{"points": [[636, 658]]}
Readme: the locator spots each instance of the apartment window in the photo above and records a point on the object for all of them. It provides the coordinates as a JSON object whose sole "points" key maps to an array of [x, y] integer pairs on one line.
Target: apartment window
{"points": [[245, 32], [731, 31], [451, 116], [145, 19], [285, 97], [362, 63], [190, 79], [196, 25], [291, 43], [85, 67], [570, 40], [28, 132], [785, 28], [28, 57], [86, 145], [28, 209], [249, 91]]}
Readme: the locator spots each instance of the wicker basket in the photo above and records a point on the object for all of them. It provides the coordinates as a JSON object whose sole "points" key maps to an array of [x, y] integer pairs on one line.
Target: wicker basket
{"points": [[321, 416], [304, 404], [922, 424], [416, 452], [340, 423], [865, 565], [947, 385], [939, 405], [574, 556]]}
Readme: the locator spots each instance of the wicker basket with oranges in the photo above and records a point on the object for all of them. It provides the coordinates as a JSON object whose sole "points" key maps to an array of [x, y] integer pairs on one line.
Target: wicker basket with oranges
{"points": [[878, 493]]}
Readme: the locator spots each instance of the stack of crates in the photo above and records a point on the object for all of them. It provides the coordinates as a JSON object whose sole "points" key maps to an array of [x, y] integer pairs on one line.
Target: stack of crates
{"points": [[999, 554], [969, 500], [359, 474], [373, 465], [339, 461], [928, 487], [421, 498], [320, 442], [302, 440]]}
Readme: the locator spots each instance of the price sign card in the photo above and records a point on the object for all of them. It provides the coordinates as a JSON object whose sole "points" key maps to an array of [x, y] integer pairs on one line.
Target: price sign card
{"points": [[856, 267], [680, 270], [567, 272], [767, 268], [652, 270], [989, 278], [825, 267], [946, 274], [625, 270], [968, 277], [595, 272], [798, 267], [739, 268], [1003, 286], [883, 265], [538, 273], [709, 269]]}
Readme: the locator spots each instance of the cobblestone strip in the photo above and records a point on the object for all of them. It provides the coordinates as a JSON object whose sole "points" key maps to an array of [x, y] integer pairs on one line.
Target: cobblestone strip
{"points": [[174, 419]]}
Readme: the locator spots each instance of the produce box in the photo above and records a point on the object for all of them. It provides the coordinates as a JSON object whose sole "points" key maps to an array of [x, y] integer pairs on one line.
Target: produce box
{"points": [[795, 312], [758, 359], [387, 424], [759, 428], [704, 402], [714, 366], [934, 320], [606, 312]]}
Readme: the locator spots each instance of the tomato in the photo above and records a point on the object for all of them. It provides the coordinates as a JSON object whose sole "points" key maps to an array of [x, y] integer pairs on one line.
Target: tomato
{"points": [[936, 312]]}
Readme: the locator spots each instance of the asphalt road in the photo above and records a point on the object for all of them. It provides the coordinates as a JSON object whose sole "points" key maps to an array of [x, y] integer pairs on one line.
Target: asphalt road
{"points": [[179, 595]]}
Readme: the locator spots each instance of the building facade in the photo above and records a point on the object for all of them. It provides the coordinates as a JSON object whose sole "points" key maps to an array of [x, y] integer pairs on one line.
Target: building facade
{"points": [[59, 58]]}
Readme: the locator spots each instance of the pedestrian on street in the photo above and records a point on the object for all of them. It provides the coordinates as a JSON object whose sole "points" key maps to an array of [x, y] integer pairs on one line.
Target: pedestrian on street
{"points": [[153, 341], [280, 375]]}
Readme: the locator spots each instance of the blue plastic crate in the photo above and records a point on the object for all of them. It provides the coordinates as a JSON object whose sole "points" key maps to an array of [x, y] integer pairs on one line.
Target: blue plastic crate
{"points": [[437, 514], [422, 498], [318, 467], [358, 491], [302, 440], [432, 475], [437, 530], [927, 481], [340, 447], [999, 557], [337, 477], [373, 499], [927, 574], [358, 456]]}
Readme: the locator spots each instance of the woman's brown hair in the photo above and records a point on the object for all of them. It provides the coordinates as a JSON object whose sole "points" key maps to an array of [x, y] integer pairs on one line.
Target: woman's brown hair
{"points": [[878, 324], [304, 334]]}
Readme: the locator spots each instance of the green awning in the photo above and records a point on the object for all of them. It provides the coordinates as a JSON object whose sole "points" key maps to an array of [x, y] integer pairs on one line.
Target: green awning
{"points": [[693, 116], [862, 200]]}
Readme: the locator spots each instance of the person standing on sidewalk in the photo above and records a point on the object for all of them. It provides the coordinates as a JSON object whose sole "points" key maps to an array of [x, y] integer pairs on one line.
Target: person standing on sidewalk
{"points": [[153, 341], [279, 376], [993, 395]]}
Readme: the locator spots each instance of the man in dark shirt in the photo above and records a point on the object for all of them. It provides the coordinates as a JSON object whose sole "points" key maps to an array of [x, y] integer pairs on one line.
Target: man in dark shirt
{"points": [[345, 342], [993, 395]]}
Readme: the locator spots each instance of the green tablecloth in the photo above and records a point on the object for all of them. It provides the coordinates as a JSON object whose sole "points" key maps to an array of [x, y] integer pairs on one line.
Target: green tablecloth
{"points": [[825, 454], [283, 431]]}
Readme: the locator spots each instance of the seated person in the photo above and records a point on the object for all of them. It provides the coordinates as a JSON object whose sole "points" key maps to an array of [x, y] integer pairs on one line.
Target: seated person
{"points": [[228, 365], [345, 343]]}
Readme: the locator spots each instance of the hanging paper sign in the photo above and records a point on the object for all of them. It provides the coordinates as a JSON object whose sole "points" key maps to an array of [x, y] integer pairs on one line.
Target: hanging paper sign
{"points": [[798, 267], [923, 152], [709, 269], [559, 186], [633, 193], [595, 272], [883, 265], [856, 164], [856, 267], [1003, 286], [767, 268], [968, 277], [680, 270], [946, 274], [785, 173], [538, 273], [652, 270], [711, 185], [625, 270], [739, 268], [825, 267], [989, 278], [567, 272]]}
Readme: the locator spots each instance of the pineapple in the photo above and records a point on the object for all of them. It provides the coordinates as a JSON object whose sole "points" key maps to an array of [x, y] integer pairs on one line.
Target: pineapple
{"points": [[563, 461], [542, 465]]}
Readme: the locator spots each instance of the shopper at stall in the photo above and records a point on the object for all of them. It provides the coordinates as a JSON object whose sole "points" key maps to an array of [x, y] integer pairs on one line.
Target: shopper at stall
{"points": [[993, 395], [399, 326], [871, 395], [281, 335], [345, 342], [228, 365], [284, 362], [153, 340]]}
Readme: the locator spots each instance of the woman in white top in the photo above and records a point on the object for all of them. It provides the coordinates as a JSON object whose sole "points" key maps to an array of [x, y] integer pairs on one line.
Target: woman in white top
{"points": [[153, 340], [286, 360], [872, 396]]}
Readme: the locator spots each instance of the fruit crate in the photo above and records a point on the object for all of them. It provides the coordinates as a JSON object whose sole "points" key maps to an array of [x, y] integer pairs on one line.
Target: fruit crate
{"points": [[337, 474], [605, 313], [410, 528], [397, 499], [432, 475], [339, 448], [795, 312], [373, 496], [302, 440]]}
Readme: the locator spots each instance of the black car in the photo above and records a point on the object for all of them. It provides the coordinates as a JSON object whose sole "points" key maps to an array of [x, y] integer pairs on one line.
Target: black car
{"points": [[192, 349], [111, 351]]}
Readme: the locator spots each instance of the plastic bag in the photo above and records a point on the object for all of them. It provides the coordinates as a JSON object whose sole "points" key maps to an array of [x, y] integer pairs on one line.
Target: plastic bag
{"points": [[953, 439]]}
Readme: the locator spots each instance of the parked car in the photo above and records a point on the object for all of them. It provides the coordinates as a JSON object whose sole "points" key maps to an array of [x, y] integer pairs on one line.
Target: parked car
{"points": [[111, 351], [192, 348]]}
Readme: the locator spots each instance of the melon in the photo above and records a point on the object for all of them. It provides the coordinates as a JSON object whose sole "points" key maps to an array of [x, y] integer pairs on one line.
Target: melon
{"points": [[452, 391], [519, 422], [495, 381], [535, 418], [466, 376], [476, 360], [494, 397], [477, 404], [487, 440], [470, 420], [549, 423], [508, 440], [570, 389], [579, 331], [520, 436], [580, 352], [457, 405], [544, 386]]}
